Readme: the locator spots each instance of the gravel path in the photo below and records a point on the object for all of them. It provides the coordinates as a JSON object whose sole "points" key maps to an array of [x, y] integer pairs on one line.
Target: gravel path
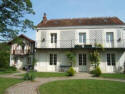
{"points": [[29, 87]]}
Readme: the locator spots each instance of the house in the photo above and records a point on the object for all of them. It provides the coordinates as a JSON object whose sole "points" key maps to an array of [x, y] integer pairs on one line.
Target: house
{"points": [[22, 52], [56, 37]]}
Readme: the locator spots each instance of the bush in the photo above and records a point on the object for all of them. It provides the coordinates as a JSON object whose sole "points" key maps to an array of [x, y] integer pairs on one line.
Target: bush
{"points": [[2, 69], [97, 72], [12, 68], [71, 72], [29, 76], [9, 69]]}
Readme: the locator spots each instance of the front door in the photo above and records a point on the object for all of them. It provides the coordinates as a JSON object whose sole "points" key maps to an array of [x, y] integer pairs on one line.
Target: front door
{"points": [[82, 59], [109, 39]]}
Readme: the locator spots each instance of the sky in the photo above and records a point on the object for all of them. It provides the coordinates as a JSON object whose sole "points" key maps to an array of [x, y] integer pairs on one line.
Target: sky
{"points": [[56, 9]]}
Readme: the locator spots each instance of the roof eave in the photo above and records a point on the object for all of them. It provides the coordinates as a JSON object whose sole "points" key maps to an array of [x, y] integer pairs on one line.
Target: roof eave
{"points": [[82, 27]]}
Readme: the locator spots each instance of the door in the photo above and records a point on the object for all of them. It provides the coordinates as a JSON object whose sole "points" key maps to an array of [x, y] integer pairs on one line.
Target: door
{"points": [[111, 63], [53, 62], [82, 62], [109, 39]]}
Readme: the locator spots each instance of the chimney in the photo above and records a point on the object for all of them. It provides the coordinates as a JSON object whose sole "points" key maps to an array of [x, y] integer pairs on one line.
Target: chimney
{"points": [[44, 18]]}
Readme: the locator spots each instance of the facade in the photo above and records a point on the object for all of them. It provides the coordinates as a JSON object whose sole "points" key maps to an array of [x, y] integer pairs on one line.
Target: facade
{"points": [[22, 54], [54, 38]]}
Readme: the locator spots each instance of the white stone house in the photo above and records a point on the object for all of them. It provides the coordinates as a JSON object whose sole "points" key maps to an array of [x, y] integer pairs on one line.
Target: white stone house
{"points": [[54, 38]]}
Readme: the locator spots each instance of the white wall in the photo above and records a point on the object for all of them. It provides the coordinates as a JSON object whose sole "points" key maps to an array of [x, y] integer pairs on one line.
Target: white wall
{"points": [[21, 61], [44, 66], [67, 38]]}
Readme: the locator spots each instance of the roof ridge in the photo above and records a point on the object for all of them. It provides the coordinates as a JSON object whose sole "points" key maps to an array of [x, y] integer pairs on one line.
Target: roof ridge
{"points": [[82, 18]]}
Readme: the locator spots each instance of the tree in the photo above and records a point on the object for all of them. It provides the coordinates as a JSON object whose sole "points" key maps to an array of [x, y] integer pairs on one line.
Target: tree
{"points": [[12, 20], [4, 55], [71, 58]]}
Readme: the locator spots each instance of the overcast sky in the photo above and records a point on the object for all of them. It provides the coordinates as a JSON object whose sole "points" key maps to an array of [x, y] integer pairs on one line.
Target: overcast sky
{"points": [[75, 9]]}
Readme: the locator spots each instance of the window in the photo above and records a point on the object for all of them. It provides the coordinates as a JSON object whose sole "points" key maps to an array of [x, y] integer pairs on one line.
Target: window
{"points": [[111, 59], [29, 60], [15, 60], [53, 37], [109, 36], [82, 59], [53, 59], [82, 37]]}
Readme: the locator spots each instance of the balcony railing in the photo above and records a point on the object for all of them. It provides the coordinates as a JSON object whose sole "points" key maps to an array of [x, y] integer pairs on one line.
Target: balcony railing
{"points": [[20, 52], [78, 44]]}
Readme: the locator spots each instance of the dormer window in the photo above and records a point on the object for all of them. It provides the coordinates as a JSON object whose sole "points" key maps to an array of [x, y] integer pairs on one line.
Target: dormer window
{"points": [[53, 37]]}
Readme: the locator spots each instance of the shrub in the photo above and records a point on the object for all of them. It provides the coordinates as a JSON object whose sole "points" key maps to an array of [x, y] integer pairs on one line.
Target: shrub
{"points": [[71, 72], [32, 77], [12, 68], [9, 69], [97, 72], [2, 69], [29, 76], [26, 76]]}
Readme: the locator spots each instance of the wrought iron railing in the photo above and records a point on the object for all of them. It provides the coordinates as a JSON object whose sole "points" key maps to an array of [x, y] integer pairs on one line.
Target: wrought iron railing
{"points": [[83, 44]]}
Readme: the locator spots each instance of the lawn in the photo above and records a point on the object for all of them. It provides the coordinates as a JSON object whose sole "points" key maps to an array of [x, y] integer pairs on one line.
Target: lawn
{"points": [[83, 87], [47, 74], [7, 82], [7, 72], [113, 75]]}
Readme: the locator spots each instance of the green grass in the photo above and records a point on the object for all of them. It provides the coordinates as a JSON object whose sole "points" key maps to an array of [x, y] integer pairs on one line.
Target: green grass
{"points": [[7, 72], [7, 82], [113, 75], [46, 74], [83, 87]]}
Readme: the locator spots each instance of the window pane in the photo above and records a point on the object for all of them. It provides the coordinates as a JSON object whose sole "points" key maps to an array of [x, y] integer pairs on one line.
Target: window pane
{"points": [[51, 38], [55, 38], [84, 38], [108, 59], [80, 38], [55, 59], [84, 59], [51, 59], [113, 59], [80, 59]]}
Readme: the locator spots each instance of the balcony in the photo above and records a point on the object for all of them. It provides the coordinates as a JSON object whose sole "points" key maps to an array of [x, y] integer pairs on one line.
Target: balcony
{"points": [[20, 52], [76, 44]]}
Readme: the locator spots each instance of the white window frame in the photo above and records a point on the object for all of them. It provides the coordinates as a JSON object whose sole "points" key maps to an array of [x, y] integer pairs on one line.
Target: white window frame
{"points": [[53, 59], [83, 58], [109, 39], [111, 59], [53, 37], [83, 40]]}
